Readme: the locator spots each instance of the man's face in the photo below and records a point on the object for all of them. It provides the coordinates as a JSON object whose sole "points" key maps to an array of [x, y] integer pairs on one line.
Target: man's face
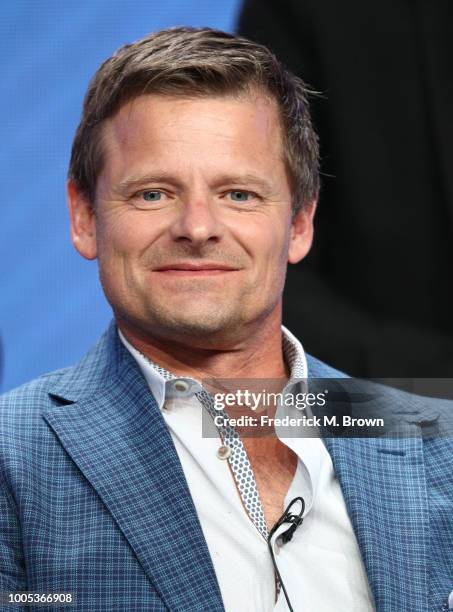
{"points": [[192, 225]]}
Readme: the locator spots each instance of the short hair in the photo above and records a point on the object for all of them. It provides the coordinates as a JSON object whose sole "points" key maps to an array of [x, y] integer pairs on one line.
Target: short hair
{"points": [[197, 62]]}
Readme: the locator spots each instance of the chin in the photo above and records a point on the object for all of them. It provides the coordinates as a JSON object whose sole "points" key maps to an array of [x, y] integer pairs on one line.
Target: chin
{"points": [[198, 325]]}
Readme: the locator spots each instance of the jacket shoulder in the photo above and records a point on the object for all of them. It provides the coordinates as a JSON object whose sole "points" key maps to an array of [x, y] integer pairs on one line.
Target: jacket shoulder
{"points": [[21, 407], [65, 385], [26, 396], [319, 369]]}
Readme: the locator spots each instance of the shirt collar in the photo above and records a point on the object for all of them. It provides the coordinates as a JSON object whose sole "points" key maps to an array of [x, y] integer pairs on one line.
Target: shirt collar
{"points": [[164, 384]]}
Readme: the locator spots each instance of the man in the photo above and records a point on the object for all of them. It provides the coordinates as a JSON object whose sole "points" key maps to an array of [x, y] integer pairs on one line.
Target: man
{"points": [[193, 181]]}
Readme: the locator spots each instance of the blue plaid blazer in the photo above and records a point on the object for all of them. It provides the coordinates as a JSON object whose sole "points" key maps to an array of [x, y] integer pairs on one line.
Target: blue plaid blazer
{"points": [[93, 499]]}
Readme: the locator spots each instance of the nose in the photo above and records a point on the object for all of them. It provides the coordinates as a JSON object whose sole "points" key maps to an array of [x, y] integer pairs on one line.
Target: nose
{"points": [[197, 222]]}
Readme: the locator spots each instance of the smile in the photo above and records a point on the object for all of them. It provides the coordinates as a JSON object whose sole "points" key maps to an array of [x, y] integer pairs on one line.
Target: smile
{"points": [[195, 273], [196, 270]]}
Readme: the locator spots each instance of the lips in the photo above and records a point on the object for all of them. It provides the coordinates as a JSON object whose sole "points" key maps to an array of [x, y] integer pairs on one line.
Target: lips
{"points": [[194, 270], [195, 267]]}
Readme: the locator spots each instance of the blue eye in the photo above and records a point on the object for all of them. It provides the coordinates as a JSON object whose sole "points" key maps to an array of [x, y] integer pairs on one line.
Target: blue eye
{"points": [[152, 196], [240, 196]]}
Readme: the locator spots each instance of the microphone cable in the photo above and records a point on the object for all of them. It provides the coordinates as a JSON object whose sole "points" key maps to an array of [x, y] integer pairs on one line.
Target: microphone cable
{"points": [[294, 520]]}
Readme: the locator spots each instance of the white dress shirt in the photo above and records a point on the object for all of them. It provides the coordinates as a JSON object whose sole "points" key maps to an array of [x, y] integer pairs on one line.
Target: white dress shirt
{"points": [[321, 567]]}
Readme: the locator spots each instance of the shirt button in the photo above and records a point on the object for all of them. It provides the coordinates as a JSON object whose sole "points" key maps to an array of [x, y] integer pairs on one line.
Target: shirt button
{"points": [[224, 452], [182, 386]]}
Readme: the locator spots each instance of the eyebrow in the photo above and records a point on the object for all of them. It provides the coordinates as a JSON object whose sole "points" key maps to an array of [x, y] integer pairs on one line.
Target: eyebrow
{"points": [[244, 179], [136, 181]]}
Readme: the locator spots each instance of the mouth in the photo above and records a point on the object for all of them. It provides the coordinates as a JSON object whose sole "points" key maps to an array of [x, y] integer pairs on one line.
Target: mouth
{"points": [[195, 269]]}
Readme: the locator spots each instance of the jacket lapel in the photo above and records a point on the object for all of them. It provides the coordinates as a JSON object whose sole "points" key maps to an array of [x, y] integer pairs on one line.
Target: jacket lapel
{"points": [[384, 487], [117, 437], [383, 484]]}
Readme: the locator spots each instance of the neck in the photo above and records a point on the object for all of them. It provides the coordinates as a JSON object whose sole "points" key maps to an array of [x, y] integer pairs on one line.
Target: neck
{"points": [[256, 353]]}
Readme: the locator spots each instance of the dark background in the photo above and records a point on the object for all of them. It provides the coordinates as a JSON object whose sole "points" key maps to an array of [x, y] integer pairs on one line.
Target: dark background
{"points": [[375, 296]]}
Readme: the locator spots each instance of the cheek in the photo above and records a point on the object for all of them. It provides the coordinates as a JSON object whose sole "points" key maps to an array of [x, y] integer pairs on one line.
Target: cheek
{"points": [[267, 243], [120, 236], [273, 243], [276, 260], [259, 233]]}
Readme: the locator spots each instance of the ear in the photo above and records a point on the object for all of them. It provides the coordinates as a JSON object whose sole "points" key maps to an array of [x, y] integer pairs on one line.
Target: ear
{"points": [[83, 222], [301, 232]]}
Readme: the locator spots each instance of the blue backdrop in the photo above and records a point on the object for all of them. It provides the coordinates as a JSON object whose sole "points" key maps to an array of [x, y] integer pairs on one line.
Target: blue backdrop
{"points": [[52, 307]]}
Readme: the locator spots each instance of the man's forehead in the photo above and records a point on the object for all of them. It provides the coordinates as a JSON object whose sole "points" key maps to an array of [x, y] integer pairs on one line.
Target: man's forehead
{"points": [[143, 110], [166, 127]]}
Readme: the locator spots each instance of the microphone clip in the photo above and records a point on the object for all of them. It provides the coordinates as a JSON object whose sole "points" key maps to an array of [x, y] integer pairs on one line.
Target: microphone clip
{"points": [[287, 517]]}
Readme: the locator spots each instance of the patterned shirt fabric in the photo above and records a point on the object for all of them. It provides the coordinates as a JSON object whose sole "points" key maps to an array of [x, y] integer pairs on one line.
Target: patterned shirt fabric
{"points": [[241, 560]]}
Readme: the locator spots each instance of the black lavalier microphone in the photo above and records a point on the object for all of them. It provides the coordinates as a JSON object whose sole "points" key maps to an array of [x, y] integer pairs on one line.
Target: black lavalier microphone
{"points": [[294, 520]]}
